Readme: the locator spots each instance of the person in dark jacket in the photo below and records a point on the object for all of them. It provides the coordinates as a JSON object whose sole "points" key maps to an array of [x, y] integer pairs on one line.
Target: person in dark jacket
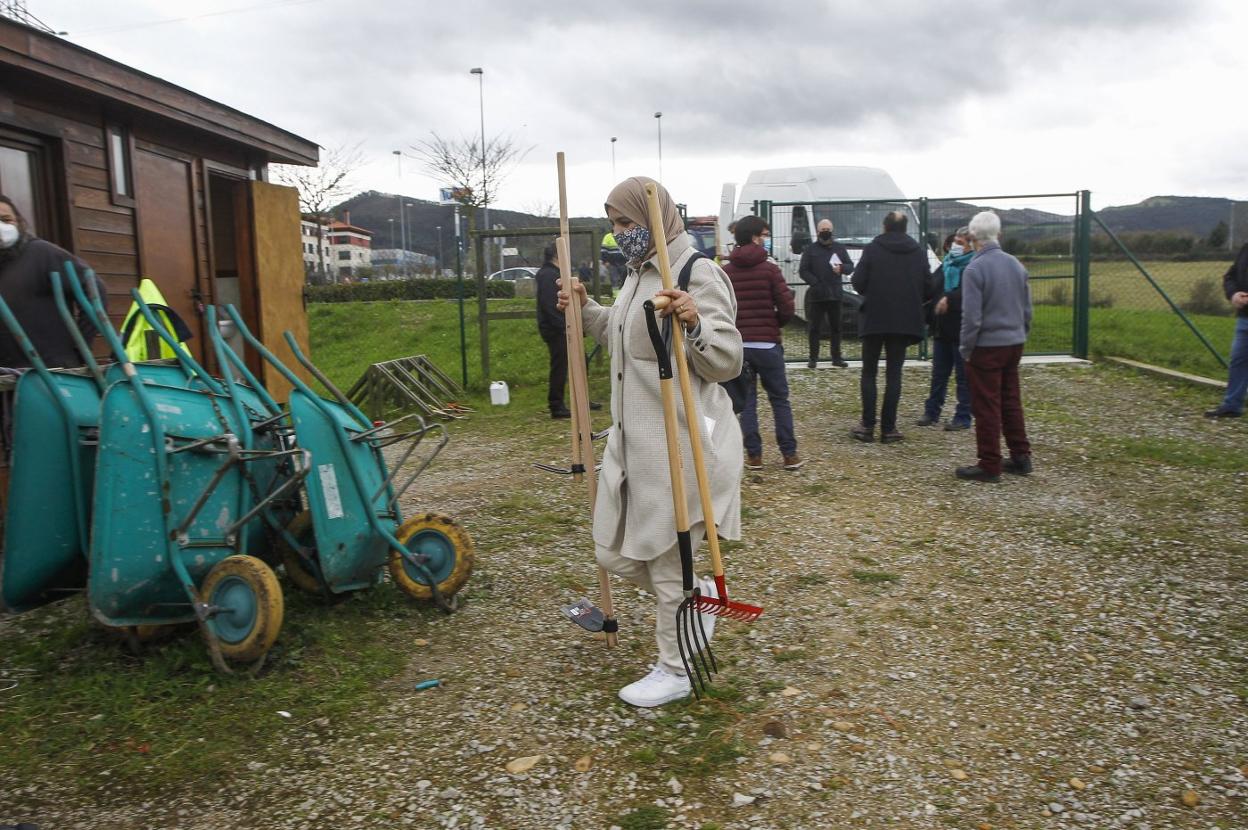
{"points": [[550, 325], [26, 261], [894, 280], [764, 306], [824, 262], [1235, 284], [946, 332]]}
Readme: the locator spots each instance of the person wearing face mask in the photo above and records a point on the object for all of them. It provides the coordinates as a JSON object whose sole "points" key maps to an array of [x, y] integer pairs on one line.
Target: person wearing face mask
{"points": [[25, 264], [764, 306], [634, 524], [946, 334], [824, 262]]}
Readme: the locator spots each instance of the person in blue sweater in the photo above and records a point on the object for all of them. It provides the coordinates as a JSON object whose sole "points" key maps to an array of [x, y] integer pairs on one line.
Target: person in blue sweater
{"points": [[946, 333], [996, 318]]}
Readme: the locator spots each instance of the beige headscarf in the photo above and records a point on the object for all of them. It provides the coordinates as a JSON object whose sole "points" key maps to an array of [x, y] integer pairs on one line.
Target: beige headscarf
{"points": [[629, 198]]}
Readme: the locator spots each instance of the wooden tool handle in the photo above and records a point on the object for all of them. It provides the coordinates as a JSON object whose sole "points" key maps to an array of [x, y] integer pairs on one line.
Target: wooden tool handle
{"points": [[582, 426], [658, 234], [661, 301]]}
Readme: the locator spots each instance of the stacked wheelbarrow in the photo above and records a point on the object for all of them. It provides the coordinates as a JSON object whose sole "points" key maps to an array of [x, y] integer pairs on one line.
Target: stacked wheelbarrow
{"points": [[171, 495]]}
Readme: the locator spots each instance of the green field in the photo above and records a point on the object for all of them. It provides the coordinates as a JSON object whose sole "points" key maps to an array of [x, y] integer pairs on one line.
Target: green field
{"points": [[1122, 285], [347, 337]]}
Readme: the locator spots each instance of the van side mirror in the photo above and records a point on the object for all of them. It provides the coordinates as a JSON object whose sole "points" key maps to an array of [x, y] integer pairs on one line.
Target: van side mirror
{"points": [[799, 242]]}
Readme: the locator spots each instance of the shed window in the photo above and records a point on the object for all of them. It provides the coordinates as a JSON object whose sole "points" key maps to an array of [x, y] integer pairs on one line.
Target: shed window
{"points": [[120, 180]]}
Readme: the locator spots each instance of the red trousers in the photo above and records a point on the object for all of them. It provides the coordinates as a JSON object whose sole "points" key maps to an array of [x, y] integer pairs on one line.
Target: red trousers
{"points": [[997, 404]]}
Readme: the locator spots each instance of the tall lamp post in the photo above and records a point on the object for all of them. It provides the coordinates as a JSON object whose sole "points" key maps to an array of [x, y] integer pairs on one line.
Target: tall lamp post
{"points": [[439, 250], [658, 119], [613, 140], [485, 189], [406, 268], [398, 158]]}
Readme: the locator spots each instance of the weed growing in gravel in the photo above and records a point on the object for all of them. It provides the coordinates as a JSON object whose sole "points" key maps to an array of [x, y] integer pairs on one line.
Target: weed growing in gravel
{"points": [[873, 577], [645, 817]]}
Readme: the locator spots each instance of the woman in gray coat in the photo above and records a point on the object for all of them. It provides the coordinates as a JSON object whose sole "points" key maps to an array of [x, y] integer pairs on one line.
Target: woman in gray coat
{"points": [[634, 523]]}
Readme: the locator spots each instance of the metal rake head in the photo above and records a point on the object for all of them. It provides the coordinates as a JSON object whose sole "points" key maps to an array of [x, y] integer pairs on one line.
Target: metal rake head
{"points": [[694, 646], [729, 609]]}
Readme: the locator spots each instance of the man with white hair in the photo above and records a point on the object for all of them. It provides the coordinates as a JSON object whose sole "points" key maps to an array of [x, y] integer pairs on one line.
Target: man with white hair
{"points": [[996, 317]]}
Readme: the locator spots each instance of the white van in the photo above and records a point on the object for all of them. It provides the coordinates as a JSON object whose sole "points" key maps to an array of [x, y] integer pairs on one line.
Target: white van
{"points": [[800, 190]]}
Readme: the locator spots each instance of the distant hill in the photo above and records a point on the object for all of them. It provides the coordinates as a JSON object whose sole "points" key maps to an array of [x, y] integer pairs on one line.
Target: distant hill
{"points": [[373, 210], [1197, 215]]}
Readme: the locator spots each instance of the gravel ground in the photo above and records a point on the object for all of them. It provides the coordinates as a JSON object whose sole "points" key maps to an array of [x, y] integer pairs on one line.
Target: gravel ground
{"points": [[1065, 650]]}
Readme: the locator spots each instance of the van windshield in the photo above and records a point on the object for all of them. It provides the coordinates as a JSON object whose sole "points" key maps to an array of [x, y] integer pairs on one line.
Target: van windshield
{"points": [[860, 222]]}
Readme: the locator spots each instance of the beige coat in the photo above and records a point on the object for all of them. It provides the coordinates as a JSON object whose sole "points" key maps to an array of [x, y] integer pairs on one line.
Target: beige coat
{"points": [[633, 514]]}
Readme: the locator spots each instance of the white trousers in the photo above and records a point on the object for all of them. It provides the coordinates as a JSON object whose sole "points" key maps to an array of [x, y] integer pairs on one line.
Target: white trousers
{"points": [[659, 576]]}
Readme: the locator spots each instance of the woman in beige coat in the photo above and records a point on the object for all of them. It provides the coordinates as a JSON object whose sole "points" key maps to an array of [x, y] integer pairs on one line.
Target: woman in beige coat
{"points": [[634, 523]]}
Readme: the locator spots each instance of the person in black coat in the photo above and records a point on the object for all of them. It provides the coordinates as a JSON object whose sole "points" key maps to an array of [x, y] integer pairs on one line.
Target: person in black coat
{"points": [[824, 262], [1235, 285], [550, 325], [893, 278]]}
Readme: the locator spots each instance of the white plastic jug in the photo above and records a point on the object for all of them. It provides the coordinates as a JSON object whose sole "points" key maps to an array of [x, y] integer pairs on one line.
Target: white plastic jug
{"points": [[499, 395]]}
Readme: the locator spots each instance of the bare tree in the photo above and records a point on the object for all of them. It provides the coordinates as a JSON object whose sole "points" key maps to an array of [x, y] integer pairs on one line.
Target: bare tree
{"points": [[322, 187], [540, 209], [457, 163]]}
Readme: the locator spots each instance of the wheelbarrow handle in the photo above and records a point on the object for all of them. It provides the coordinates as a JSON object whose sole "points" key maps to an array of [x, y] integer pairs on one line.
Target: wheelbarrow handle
{"points": [[75, 333], [189, 364]]}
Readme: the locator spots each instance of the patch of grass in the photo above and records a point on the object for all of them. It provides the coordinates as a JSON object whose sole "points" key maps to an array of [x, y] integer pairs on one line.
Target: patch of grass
{"points": [[646, 755], [645, 817], [790, 655], [810, 580], [873, 577], [866, 560], [1178, 453], [166, 718]]}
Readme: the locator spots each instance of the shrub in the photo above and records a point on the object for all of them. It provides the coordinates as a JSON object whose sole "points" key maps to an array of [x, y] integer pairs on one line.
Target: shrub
{"points": [[1059, 294], [421, 289], [1206, 298]]}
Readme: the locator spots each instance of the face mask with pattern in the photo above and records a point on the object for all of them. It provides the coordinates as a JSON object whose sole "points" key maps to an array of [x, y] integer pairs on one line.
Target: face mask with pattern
{"points": [[634, 242]]}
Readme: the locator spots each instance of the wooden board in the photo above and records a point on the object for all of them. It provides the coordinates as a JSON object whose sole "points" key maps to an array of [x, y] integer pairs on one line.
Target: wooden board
{"points": [[279, 279]]}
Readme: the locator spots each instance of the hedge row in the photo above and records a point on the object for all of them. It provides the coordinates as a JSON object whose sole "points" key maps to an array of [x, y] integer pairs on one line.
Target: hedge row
{"points": [[419, 289]]}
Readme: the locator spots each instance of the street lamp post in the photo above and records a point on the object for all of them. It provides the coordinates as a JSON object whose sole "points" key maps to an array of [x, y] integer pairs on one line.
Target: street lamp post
{"points": [[485, 189], [658, 119], [613, 140], [439, 250], [406, 269], [398, 158]]}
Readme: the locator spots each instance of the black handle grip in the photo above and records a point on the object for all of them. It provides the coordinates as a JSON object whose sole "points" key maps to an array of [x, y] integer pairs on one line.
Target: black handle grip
{"points": [[656, 338], [686, 559]]}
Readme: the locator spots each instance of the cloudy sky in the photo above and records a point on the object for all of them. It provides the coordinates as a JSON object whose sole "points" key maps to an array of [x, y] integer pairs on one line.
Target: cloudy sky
{"points": [[1127, 98]]}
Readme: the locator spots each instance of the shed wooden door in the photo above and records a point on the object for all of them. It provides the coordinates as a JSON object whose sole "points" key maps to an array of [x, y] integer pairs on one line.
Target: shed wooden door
{"points": [[279, 278], [167, 247]]}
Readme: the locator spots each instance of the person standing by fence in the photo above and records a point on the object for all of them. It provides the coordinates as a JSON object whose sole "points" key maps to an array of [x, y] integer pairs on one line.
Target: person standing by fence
{"points": [[1235, 284], [946, 332], [550, 325], [824, 263], [996, 318], [764, 306], [894, 280]]}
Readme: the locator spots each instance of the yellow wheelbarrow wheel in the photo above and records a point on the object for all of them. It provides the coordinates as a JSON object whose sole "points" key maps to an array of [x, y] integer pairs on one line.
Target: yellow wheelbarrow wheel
{"points": [[449, 551], [297, 568], [249, 599]]}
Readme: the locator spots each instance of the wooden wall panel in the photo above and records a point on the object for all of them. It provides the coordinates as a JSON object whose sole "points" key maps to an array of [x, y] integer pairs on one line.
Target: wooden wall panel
{"points": [[279, 278]]}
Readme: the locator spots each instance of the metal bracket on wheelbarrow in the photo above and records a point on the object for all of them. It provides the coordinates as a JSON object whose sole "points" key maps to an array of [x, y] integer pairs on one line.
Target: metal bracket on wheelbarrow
{"points": [[348, 429]]}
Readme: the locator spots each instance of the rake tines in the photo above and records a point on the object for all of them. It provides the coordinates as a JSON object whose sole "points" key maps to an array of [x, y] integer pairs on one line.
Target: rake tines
{"points": [[728, 609], [694, 645]]}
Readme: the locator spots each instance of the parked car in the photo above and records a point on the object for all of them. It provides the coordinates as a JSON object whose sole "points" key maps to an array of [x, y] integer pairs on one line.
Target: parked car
{"points": [[513, 274]]}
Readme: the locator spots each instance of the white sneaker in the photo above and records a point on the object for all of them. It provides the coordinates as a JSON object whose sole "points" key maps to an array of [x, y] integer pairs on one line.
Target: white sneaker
{"points": [[656, 688], [707, 585]]}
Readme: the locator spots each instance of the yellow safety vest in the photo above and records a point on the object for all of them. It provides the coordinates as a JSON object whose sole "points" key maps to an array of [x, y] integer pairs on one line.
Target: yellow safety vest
{"points": [[135, 328]]}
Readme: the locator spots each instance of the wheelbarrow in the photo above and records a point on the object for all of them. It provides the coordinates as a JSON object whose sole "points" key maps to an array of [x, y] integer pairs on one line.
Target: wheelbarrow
{"points": [[55, 425], [172, 507], [353, 526]]}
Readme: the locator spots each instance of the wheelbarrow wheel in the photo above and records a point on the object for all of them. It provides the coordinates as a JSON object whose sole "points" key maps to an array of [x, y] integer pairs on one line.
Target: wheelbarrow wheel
{"points": [[449, 551], [298, 569], [250, 607]]}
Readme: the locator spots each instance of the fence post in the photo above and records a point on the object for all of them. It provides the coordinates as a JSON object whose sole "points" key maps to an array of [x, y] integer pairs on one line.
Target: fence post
{"points": [[483, 325], [923, 352], [1083, 275]]}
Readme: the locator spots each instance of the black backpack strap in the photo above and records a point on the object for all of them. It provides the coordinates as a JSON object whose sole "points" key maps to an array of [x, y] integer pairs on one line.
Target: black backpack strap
{"points": [[682, 282]]}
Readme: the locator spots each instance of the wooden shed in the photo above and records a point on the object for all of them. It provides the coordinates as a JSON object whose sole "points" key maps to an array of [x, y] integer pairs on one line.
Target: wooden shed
{"points": [[142, 178]]}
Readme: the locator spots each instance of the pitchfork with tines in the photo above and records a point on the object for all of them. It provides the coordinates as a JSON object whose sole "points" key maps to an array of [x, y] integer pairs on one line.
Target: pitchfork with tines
{"points": [[690, 633]]}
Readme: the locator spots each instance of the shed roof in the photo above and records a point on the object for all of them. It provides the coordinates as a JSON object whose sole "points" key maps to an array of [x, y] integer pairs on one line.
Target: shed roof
{"points": [[51, 57]]}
